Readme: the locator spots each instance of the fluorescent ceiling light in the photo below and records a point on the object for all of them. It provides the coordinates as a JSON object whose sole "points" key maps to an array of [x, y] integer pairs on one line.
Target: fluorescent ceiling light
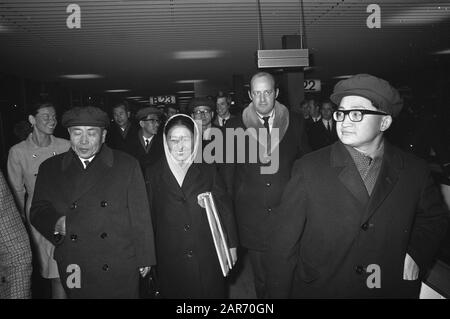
{"points": [[339, 77], [201, 54], [134, 97], [419, 15], [447, 51], [189, 81], [3, 28], [117, 90], [187, 92], [81, 76], [184, 97]]}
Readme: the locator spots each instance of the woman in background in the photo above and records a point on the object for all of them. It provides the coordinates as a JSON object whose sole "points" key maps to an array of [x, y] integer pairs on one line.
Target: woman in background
{"points": [[23, 163], [187, 262]]}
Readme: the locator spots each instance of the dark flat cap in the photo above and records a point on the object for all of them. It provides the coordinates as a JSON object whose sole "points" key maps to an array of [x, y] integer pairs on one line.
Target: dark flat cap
{"points": [[201, 101], [144, 112], [85, 116], [382, 95]]}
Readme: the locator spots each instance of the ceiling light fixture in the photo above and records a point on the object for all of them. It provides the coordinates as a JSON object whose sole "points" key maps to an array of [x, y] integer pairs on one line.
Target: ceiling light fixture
{"points": [[187, 92], [342, 77], [81, 76], [117, 90], [201, 54], [446, 51], [189, 81]]}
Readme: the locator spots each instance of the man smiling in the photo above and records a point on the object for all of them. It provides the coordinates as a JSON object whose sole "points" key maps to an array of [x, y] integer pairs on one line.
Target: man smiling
{"points": [[91, 203], [359, 218]]}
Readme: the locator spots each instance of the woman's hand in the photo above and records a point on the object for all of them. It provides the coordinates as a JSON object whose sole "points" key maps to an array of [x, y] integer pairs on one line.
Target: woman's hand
{"points": [[234, 257]]}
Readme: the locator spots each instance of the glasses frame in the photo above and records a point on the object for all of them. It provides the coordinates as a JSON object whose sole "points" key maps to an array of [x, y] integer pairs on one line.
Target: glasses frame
{"points": [[362, 111]]}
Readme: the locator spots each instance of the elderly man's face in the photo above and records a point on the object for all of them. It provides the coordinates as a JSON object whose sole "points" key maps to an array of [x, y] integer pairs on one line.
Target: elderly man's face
{"points": [[121, 116], [362, 134], [263, 94], [86, 140], [203, 115]]}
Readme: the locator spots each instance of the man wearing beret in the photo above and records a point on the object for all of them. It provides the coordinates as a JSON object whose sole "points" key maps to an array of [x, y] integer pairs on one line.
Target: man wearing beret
{"points": [[359, 218], [91, 203], [147, 146]]}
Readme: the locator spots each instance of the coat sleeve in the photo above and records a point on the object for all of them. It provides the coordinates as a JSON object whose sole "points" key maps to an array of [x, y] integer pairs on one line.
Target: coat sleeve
{"points": [[15, 176], [283, 240], [15, 251], [140, 217], [429, 227], [43, 214], [225, 208]]}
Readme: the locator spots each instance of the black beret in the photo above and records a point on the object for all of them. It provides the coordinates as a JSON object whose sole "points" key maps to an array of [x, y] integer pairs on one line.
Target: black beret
{"points": [[85, 116], [144, 112], [378, 91], [201, 101]]}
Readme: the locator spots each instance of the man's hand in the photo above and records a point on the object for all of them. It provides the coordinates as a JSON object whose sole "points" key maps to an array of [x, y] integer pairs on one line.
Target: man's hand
{"points": [[410, 270], [60, 227], [233, 252], [144, 271]]}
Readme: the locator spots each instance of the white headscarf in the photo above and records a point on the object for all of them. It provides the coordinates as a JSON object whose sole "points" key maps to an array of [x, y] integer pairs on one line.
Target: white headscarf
{"points": [[179, 169]]}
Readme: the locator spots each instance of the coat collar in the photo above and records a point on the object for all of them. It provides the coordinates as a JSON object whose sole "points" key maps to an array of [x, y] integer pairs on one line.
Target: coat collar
{"points": [[105, 155]]}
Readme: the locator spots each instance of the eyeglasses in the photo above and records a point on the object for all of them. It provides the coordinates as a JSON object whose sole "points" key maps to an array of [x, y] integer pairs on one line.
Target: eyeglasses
{"points": [[201, 112], [178, 140], [266, 93], [152, 121], [354, 115]]}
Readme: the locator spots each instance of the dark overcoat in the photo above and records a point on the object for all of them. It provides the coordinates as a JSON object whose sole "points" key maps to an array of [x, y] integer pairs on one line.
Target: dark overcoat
{"points": [[147, 157], [109, 233], [255, 194], [331, 236], [188, 266]]}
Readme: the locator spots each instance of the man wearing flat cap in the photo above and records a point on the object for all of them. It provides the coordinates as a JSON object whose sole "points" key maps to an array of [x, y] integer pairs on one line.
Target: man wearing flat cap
{"points": [[147, 146], [91, 203], [359, 218]]}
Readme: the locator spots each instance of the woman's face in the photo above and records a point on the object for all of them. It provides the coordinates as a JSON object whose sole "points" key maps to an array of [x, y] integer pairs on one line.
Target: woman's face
{"points": [[180, 142], [45, 120]]}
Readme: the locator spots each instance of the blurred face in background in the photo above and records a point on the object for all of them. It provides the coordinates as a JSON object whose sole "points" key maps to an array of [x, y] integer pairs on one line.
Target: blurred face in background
{"points": [[86, 140], [180, 142], [150, 125], [223, 106], [121, 116], [44, 121], [203, 115], [327, 111]]}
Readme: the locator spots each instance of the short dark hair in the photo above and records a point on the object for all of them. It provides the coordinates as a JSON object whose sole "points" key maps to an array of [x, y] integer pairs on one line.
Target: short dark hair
{"points": [[179, 120], [123, 104], [34, 109], [221, 94]]}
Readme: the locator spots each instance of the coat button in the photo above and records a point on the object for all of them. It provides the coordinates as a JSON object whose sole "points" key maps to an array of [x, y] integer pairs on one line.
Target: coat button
{"points": [[187, 227], [73, 206], [365, 226], [269, 210], [268, 184], [190, 253], [73, 237], [105, 267], [104, 235], [359, 269], [104, 203]]}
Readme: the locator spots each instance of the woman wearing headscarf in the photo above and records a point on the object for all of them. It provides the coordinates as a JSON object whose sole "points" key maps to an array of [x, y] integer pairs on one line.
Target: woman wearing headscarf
{"points": [[187, 262], [24, 160]]}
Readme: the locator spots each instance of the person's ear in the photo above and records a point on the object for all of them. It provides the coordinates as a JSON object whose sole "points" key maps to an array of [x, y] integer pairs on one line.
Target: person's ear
{"points": [[104, 135], [128, 114], [385, 123], [32, 120], [250, 95], [276, 92], [141, 124]]}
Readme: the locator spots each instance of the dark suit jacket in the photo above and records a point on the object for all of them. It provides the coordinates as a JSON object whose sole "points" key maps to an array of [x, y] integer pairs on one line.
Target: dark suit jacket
{"points": [[147, 158], [115, 139], [187, 260], [216, 120], [109, 232], [329, 231], [320, 137], [256, 194]]}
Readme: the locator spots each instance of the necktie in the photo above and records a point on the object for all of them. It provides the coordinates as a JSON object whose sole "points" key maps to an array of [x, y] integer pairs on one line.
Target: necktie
{"points": [[147, 144], [86, 164], [328, 126], [266, 124], [223, 122]]}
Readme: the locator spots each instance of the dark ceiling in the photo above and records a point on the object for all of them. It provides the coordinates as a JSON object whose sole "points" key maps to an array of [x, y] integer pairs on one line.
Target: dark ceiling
{"points": [[135, 44]]}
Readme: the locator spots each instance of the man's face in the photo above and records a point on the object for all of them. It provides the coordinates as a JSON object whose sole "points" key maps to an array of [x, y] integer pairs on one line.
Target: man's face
{"points": [[121, 116], [45, 120], [327, 111], [86, 140], [263, 94], [361, 134], [305, 110], [313, 108], [203, 115], [150, 124], [171, 112], [222, 106]]}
